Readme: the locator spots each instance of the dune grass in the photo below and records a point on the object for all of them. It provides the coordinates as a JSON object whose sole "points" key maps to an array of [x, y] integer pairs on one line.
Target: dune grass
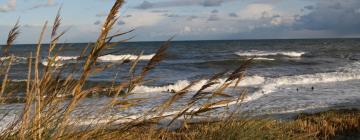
{"points": [[47, 115], [331, 124]]}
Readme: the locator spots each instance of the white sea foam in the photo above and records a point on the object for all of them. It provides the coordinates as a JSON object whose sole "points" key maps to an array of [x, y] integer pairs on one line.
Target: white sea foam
{"points": [[16, 58], [110, 57], [247, 81], [264, 59], [59, 60], [56, 64], [270, 53], [64, 58], [272, 85]]}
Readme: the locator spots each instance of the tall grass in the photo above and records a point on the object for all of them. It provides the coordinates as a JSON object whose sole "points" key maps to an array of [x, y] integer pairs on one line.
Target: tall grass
{"points": [[47, 116]]}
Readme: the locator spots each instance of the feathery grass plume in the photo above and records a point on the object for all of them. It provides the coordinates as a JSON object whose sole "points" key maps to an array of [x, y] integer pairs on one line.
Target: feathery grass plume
{"points": [[13, 34], [89, 62], [159, 56], [212, 81], [99, 45], [52, 117], [54, 34]]}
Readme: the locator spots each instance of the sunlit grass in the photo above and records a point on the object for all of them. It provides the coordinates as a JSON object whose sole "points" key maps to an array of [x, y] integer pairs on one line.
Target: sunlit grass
{"points": [[51, 99]]}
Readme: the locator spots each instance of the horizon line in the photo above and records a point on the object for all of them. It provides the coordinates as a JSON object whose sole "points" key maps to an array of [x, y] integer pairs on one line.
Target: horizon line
{"points": [[254, 39]]}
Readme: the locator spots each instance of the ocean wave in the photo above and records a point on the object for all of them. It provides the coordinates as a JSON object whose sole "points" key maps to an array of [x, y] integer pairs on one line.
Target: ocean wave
{"points": [[268, 53], [56, 64], [272, 85], [264, 59], [247, 81], [65, 58], [59, 61], [15, 58], [109, 58]]}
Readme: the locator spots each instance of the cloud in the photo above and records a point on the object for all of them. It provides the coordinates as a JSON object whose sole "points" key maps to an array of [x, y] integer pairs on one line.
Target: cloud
{"points": [[209, 3], [192, 17], [146, 5], [160, 11], [9, 6], [176, 3], [102, 14], [233, 15], [256, 11], [336, 16], [140, 18], [310, 7], [172, 15], [49, 3], [120, 22], [213, 18], [215, 11], [98, 22]]}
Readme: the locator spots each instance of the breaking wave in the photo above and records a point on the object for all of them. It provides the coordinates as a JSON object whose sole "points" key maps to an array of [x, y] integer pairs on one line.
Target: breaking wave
{"points": [[264, 59], [61, 60], [110, 58], [271, 85], [269, 53], [64, 58], [247, 81], [15, 58]]}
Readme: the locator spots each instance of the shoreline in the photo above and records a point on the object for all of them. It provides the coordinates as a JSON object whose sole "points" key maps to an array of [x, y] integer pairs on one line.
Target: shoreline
{"points": [[332, 124]]}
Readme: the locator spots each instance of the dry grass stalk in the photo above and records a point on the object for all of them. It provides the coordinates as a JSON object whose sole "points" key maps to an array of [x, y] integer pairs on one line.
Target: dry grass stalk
{"points": [[13, 34], [5, 80], [90, 61], [50, 119], [29, 101]]}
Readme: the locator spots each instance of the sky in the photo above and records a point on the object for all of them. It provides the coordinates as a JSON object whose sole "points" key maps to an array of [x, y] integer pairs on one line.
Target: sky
{"points": [[159, 20]]}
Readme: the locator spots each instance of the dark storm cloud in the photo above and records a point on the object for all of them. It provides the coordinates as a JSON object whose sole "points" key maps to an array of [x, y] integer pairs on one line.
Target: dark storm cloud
{"points": [[336, 16], [175, 3]]}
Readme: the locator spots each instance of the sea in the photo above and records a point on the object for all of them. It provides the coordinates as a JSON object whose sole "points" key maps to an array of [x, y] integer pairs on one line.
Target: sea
{"points": [[286, 77]]}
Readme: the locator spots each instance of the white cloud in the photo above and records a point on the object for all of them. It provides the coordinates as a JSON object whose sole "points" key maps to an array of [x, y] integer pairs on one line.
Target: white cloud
{"points": [[276, 21], [9, 6], [187, 29], [256, 11], [49, 3], [142, 18]]}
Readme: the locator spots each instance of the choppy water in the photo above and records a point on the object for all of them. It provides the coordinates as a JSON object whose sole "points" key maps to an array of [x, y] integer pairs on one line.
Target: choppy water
{"points": [[287, 76]]}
